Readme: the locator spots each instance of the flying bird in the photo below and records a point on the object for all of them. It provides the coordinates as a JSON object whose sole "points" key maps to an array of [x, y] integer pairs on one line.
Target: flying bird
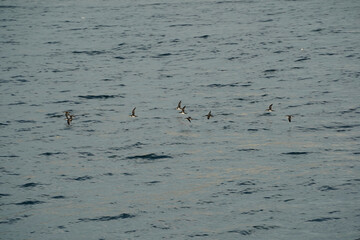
{"points": [[69, 119], [270, 108], [178, 106], [289, 117], [189, 119], [133, 113], [67, 114], [209, 115], [183, 110]]}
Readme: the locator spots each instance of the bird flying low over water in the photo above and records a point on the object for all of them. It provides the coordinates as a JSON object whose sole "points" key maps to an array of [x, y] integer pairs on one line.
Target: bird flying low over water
{"points": [[178, 106], [209, 115], [189, 119], [289, 117], [133, 113], [183, 110], [270, 108], [69, 119], [67, 114]]}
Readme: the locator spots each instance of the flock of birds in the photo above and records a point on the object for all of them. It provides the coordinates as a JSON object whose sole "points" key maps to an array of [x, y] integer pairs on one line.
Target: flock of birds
{"points": [[69, 117]]}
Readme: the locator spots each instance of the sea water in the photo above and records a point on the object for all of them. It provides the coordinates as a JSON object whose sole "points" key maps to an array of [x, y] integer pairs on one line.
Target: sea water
{"points": [[246, 173]]}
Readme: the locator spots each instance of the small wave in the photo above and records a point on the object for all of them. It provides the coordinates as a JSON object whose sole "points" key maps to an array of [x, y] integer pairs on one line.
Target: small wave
{"points": [[8, 6], [64, 70], [161, 224], [58, 197], [4, 195], [13, 220], [246, 183], [342, 128], [78, 29], [296, 68], [107, 218], [233, 58], [91, 53], [252, 229], [62, 101], [270, 71], [326, 188], [29, 202], [54, 115], [318, 30], [266, 20], [99, 96], [25, 121], [103, 26], [248, 191], [9, 156], [296, 153], [202, 36], [242, 232], [328, 54], [23, 130], [128, 174], [253, 129], [252, 212], [53, 42], [302, 59], [308, 129], [30, 185], [323, 219], [248, 149], [265, 114], [51, 153], [83, 178], [152, 182], [265, 227], [135, 145], [162, 55], [218, 85], [350, 110], [151, 156], [181, 25], [316, 102], [87, 154]]}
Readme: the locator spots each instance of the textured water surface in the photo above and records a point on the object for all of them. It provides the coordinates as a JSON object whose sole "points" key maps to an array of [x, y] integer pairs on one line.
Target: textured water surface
{"points": [[244, 174]]}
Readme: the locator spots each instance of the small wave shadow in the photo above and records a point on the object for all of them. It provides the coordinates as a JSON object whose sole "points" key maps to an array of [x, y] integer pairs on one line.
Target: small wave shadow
{"points": [[146, 158], [107, 218]]}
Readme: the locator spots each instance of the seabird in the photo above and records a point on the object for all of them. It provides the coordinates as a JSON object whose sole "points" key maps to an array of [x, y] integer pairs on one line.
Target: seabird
{"points": [[289, 117], [69, 119], [209, 115], [178, 106], [189, 119], [133, 113], [183, 110], [67, 114], [270, 108]]}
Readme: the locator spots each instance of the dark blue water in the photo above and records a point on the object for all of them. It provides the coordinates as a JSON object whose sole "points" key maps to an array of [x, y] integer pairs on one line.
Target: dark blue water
{"points": [[244, 174]]}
